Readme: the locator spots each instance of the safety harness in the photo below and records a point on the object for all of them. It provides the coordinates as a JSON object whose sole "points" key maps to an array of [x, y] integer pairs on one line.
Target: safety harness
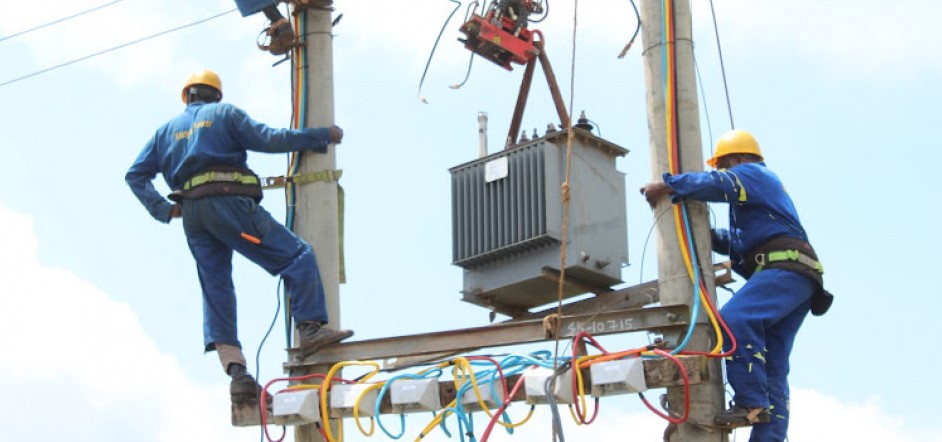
{"points": [[220, 180], [783, 252]]}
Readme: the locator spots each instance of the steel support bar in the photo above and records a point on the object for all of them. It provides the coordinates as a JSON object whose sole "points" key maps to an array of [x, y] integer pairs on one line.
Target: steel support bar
{"points": [[521, 105], [623, 299], [508, 333], [554, 87]]}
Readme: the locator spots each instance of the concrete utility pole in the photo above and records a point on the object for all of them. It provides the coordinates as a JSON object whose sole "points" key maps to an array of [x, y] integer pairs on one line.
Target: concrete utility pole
{"points": [[675, 285], [316, 211]]}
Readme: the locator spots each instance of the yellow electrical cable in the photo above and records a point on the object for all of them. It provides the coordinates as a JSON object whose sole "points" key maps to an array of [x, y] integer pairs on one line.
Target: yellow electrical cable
{"points": [[299, 387], [461, 371], [465, 366], [480, 399], [437, 420], [669, 117], [572, 412], [579, 380], [325, 387], [356, 409], [525, 419]]}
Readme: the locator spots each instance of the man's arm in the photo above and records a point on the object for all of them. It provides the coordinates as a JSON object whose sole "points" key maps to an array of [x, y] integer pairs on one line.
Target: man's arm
{"points": [[259, 137], [140, 179], [718, 186]]}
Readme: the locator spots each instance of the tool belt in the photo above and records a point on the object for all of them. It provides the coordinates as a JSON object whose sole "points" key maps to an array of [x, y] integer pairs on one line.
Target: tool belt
{"points": [[220, 180], [783, 252]]}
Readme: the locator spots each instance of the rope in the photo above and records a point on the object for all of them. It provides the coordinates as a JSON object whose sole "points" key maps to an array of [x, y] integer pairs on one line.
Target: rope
{"points": [[565, 195]]}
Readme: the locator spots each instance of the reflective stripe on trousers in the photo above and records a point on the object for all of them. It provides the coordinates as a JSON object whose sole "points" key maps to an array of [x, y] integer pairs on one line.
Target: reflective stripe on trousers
{"points": [[765, 315]]}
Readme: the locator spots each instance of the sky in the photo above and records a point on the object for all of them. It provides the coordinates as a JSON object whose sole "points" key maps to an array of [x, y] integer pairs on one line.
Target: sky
{"points": [[100, 306]]}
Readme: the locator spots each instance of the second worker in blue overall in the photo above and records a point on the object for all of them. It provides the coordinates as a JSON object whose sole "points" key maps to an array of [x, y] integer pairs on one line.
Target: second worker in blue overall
{"points": [[769, 247], [201, 155]]}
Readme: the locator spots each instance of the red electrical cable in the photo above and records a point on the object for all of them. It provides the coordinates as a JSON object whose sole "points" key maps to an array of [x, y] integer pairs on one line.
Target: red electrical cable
{"points": [[674, 134], [263, 402], [575, 380], [500, 411], [719, 318], [683, 373], [500, 371]]}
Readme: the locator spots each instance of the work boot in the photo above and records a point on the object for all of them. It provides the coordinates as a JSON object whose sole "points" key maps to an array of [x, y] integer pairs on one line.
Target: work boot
{"points": [[737, 416], [243, 387], [313, 336]]}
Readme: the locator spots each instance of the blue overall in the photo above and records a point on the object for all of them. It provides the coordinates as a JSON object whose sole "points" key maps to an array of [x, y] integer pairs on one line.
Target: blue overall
{"points": [[249, 7], [766, 313], [217, 134]]}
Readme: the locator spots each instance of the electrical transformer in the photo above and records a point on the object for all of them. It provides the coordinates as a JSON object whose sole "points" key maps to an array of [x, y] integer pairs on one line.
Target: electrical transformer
{"points": [[507, 221]]}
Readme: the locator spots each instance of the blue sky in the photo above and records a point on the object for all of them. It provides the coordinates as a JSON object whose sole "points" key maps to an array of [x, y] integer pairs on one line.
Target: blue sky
{"points": [[99, 304]]}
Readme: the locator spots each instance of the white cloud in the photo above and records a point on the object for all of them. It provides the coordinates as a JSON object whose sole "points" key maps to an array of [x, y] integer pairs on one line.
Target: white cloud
{"points": [[77, 365]]}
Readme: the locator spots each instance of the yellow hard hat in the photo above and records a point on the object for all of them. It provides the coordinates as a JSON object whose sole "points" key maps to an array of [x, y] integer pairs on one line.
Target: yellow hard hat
{"points": [[206, 77], [735, 141]]}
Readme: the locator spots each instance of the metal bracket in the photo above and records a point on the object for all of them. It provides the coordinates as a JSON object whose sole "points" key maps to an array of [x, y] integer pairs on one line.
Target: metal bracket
{"points": [[723, 272], [313, 177]]}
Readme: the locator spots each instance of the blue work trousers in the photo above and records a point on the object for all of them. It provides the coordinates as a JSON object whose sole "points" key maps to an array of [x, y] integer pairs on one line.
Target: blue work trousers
{"points": [[765, 316], [214, 227]]}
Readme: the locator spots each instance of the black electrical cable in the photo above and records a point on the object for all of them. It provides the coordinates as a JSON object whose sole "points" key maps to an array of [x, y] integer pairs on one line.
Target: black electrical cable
{"points": [[59, 20], [719, 49], [258, 353], [432, 53], [635, 35], [42, 71], [646, 239], [548, 386], [467, 75], [545, 13], [597, 128]]}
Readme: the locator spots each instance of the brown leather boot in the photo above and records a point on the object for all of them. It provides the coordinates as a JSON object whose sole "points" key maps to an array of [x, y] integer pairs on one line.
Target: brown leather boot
{"points": [[738, 416], [313, 336], [243, 387]]}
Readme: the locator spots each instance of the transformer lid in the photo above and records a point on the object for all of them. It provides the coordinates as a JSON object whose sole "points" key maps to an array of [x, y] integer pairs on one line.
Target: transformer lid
{"points": [[558, 137]]}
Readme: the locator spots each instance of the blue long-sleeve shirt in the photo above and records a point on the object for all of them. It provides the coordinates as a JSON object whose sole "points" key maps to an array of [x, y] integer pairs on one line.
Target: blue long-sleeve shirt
{"points": [[759, 207], [208, 135]]}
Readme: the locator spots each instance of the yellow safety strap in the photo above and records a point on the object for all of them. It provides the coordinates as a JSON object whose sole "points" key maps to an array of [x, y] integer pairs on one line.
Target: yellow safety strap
{"points": [[210, 177], [313, 177], [323, 176], [788, 255]]}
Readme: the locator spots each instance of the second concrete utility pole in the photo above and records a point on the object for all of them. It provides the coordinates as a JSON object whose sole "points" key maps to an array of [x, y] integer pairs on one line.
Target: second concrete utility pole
{"points": [[675, 284]]}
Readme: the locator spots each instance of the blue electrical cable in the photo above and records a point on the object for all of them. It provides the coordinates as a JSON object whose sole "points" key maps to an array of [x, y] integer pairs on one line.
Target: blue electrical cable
{"points": [[695, 312], [382, 392]]}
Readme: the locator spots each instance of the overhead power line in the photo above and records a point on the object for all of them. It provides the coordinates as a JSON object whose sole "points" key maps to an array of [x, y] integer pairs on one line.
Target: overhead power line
{"points": [[60, 20], [42, 71], [719, 49]]}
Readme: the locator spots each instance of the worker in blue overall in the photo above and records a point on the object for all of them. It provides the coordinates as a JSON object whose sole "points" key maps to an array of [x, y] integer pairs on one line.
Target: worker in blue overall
{"points": [[201, 155], [279, 31], [769, 247]]}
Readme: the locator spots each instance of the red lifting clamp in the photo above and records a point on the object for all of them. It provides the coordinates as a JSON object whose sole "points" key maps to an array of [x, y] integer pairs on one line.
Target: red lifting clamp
{"points": [[502, 35]]}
